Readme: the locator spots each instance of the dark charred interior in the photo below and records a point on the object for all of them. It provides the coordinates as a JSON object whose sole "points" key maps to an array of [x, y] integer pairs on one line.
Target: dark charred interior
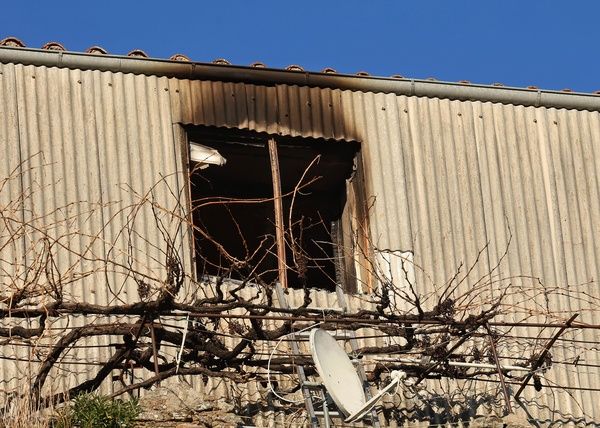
{"points": [[233, 207]]}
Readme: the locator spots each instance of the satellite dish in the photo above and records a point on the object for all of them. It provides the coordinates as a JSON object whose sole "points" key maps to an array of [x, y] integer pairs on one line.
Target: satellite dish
{"points": [[341, 379], [337, 372]]}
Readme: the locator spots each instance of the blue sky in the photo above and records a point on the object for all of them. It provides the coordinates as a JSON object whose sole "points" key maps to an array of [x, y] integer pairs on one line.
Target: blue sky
{"points": [[550, 44]]}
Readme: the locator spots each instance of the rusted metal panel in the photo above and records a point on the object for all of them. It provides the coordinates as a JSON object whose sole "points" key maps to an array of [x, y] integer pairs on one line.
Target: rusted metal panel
{"points": [[279, 110]]}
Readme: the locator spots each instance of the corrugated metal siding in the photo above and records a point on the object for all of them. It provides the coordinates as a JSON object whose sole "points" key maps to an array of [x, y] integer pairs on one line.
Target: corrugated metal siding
{"points": [[14, 359], [540, 172], [280, 109], [446, 177], [449, 177], [102, 142], [93, 144], [11, 186]]}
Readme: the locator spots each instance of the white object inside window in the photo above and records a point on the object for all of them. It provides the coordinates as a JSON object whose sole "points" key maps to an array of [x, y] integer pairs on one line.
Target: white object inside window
{"points": [[205, 156]]}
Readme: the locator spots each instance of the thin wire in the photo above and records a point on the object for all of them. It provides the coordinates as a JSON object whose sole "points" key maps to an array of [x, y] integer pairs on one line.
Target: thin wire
{"points": [[269, 384], [309, 318], [572, 388]]}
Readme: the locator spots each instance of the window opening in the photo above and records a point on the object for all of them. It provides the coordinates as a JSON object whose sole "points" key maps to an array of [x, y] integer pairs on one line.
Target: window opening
{"points": [[233, 215]]}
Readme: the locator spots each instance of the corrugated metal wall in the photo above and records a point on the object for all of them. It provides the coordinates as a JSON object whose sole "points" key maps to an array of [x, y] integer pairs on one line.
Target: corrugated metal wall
{"points": [[445, 177], [93, 146], [451, 179], [468, 173], [102, 142]]}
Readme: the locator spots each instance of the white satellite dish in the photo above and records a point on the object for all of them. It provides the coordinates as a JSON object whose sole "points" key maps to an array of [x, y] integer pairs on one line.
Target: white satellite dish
{"points": [[341, 379], [337, 372]]}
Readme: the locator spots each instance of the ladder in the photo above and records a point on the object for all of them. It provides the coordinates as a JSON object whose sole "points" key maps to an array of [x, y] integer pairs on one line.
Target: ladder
{"points": [[354, 346], [310, 408], [306, 386]]}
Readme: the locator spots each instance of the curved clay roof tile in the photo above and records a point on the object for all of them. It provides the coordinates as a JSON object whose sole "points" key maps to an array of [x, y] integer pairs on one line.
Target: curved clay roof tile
{"points": [[180, 57], [53, 46], [12, 42], [96, 50], [138, 53]]}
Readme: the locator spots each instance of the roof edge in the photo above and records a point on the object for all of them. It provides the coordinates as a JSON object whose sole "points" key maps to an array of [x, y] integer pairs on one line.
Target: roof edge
{"points": [[269, 76]]}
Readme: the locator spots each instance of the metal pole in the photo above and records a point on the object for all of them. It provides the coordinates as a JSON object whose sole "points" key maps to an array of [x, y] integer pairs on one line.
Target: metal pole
{"points": [[325, 410], [540, 359], [353, 319], [281, 263], [500, 374], [154, 353], [504, 368]]}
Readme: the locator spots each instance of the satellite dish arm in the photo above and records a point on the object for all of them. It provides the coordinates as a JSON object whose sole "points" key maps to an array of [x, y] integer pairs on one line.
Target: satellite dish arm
{"points": [[397, 377]]}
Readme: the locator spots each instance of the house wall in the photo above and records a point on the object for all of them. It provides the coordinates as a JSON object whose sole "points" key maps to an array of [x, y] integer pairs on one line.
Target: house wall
{"points": [[444, 179], [86, 148], [450, 179]]}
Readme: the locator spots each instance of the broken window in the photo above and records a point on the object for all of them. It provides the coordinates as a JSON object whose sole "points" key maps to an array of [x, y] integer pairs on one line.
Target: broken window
{"points": [[233, 214]]}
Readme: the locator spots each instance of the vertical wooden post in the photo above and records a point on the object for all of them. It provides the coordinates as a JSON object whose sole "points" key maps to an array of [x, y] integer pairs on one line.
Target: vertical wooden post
{"points": [[279, 235], [154, 353]]}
